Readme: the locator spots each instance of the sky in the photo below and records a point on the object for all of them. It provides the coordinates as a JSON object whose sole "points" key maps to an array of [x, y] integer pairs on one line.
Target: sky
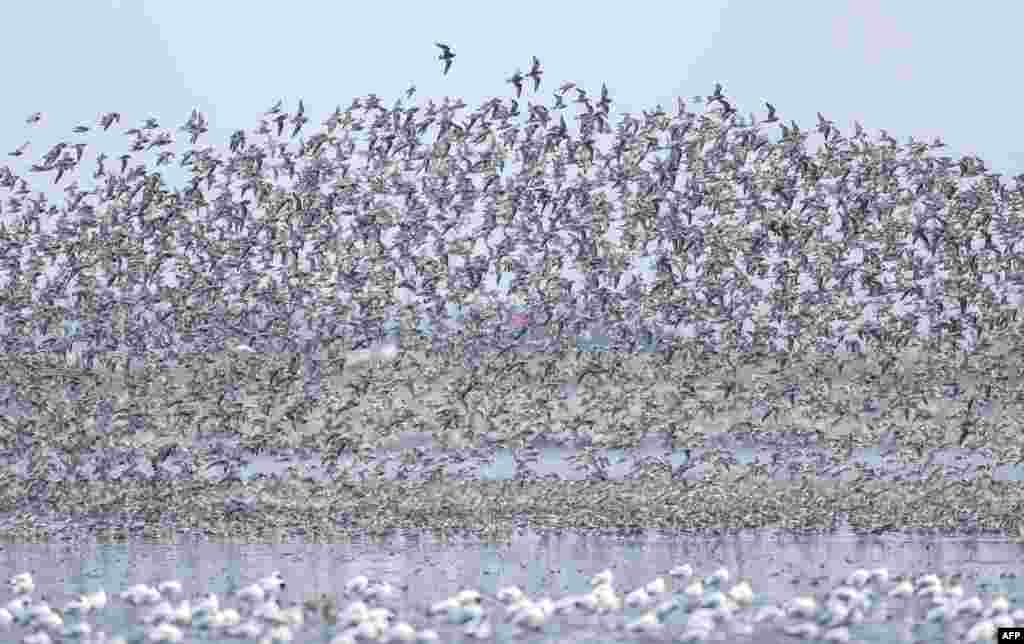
{"points": [[913, 68]]}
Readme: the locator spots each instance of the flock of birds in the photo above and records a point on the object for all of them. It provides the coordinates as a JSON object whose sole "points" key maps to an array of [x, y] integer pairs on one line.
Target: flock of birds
{"points": [[118, 244], [684, 608], [383, 199]]}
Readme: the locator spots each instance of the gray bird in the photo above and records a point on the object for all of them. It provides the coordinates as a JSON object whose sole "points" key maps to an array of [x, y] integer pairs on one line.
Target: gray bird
{"points": [[535, 73], [517, 80], [447, 55]]}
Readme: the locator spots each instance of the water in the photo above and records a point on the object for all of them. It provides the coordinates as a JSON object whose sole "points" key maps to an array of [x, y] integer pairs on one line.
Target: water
{"points": [[424, 569]]}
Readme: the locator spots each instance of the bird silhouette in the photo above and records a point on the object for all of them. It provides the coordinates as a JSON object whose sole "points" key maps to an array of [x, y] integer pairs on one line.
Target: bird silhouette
{"points": [[446, 55]]}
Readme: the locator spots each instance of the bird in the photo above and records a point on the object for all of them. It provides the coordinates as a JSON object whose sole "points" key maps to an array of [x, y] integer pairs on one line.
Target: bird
{"points": [[717, 94], [446, 55], [34, 118], [771, 113], [535, 73], [517, 80], [21, 584]]}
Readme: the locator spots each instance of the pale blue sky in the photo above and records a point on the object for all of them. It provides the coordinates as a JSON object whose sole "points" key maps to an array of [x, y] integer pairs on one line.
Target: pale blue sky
{"points": [[914, 68]]}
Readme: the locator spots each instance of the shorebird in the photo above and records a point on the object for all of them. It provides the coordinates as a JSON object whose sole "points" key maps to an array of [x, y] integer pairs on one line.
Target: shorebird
{"points": [[535, 73], [717, 95], [21, 584], [517, 80], [447, 55]]}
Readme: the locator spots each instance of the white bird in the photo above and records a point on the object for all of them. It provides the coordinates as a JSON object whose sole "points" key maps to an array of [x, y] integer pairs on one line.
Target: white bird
{"points": [[837, 634], [381, 615], [273, 583], [603, 578], [742, 593], [162, 612], [478, 629], [80, 605], [567, 604], [803, 630], [357, 585], [228, 617], [638, 598], [400, 632], [930, 579], [208, 603], [902, 589], [694, 634], [249, 629], [382, 590], [353, 614], [443, 606], [367, 630], [510, 595], [169, 587], [695, 589], [277, 635], [18, 606], [39, 637], [253, 593], [606, 600], [971, 606], [983, 631], [858, 578], [21, 584], [717, 578], [47, 618], [656, 586], [803, 607], [468, 596], [1000, 605], [769, 613], [528, 615], [165, 632], [182, 613], [269, 611], [140, 594], [880, 575], [685, 570], [647, 624], [97, 600]]}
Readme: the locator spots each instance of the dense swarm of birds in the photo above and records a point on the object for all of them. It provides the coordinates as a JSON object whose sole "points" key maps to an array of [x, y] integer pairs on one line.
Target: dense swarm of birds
{"points": [[679, 606], [284, 255]]}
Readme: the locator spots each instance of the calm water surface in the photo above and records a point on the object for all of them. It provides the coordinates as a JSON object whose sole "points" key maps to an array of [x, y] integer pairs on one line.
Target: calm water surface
{"points": [[425, 569]]}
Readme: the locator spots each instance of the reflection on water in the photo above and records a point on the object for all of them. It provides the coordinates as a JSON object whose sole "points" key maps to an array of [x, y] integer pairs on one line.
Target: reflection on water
{"points": [[423, 570]]}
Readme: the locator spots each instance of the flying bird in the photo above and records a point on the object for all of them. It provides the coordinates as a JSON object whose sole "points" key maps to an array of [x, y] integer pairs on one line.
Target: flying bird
{"points": [[535, 73], [717, 96], [447, 55], [517, 80]]}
